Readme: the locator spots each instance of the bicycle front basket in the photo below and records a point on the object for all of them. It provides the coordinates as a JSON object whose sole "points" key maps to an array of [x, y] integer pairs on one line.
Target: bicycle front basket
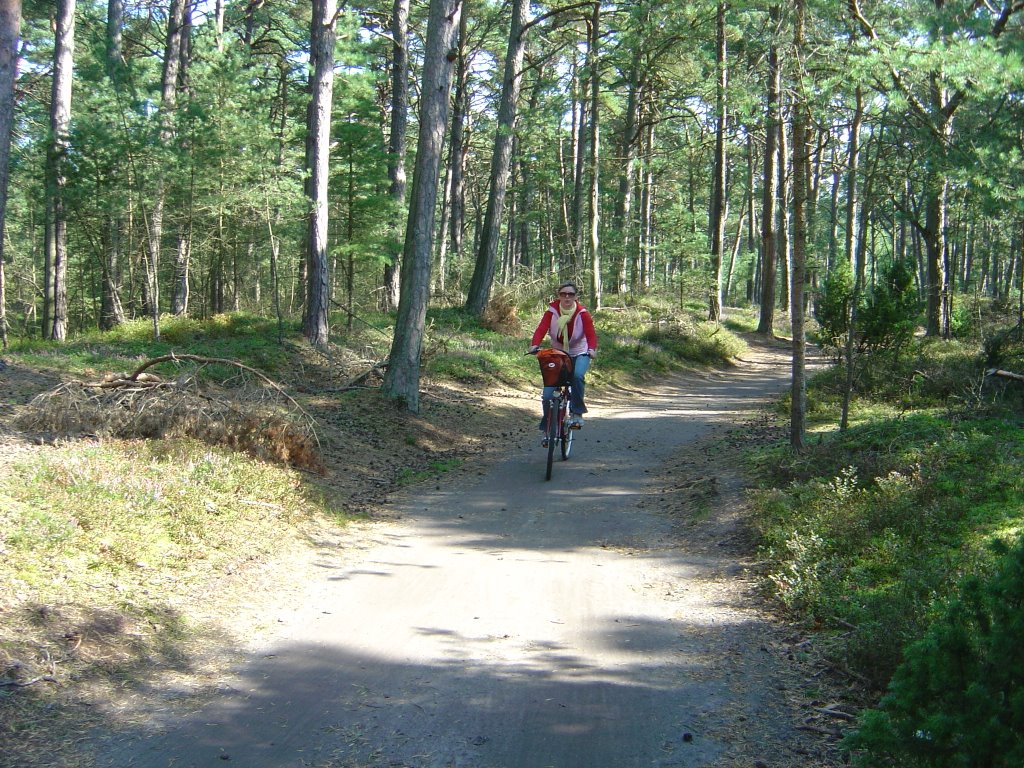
{"points": [[555, 367]]}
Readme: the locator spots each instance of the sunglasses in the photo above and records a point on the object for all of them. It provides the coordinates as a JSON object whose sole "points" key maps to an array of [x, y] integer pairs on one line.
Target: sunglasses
{"points": [[569, 294]]}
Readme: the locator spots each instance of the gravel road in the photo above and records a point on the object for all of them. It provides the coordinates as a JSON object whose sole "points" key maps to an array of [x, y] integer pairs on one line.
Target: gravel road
{"points": [[501, 621]]}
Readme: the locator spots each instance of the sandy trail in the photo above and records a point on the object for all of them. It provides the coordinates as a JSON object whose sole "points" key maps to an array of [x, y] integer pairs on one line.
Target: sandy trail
{"points": [[504, 621]]}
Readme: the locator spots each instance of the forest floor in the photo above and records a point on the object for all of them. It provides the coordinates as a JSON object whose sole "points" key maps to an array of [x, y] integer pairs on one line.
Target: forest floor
{"points": [[460, 623]]}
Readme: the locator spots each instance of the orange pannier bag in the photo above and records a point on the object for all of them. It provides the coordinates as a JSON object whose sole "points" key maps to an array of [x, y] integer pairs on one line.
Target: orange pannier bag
{"points": [[555, 367]]}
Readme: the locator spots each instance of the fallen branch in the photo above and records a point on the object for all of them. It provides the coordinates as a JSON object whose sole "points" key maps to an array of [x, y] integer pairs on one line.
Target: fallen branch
{"points": [[378, 368], [836, 713], [33, 681], [1004, 374], [818, 729], [173, 357]]}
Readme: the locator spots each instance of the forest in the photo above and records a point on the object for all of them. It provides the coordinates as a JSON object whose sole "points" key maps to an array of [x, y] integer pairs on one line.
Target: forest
{"points": [[846, 173], [193, 158]]}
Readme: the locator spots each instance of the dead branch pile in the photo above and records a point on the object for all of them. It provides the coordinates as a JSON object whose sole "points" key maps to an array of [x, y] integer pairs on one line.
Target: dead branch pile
{"points": [[253, 414]]}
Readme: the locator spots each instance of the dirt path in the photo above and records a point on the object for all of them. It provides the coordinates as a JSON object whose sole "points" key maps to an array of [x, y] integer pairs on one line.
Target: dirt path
{"points": [[601, 620]]}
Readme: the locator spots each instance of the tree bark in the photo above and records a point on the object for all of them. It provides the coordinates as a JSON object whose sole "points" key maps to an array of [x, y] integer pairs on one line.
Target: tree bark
{"points": [[60, 124], [397, 142], [111, 310], [168, 103], [785, 253], [316, 324], [501, 159], [622, 220], [766, 321], [401, 382], [459, 148], [718, 193], [10, 32], [798, 398], [593, 59]]}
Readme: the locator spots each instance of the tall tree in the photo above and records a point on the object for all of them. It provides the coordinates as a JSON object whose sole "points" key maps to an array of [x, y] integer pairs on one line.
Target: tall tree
{"points": [[719, 208], [402, 380], [798, 401], [168, 106], [501, 160], [316, 326], [10, 31], [769, 185], [111, 309], [397, 141], [56, 185], [934, 104], [459, 148], [594, 68], [183, 251]]}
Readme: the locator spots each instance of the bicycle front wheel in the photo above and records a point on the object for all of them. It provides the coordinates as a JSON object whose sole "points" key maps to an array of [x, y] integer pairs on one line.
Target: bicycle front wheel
{"points": [[553, 426], [567, 434]]}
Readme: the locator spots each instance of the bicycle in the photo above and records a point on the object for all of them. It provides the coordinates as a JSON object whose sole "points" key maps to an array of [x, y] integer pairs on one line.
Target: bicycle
{"points": [[557, 431]]}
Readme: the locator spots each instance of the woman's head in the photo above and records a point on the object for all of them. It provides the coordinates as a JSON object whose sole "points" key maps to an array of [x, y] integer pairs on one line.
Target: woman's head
{"points": [[567, 291]]}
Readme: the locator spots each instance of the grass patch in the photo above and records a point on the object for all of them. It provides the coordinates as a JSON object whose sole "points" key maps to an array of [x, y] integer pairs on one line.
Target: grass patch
{"points": [[409, 476], [104, 570], [78, 528], [236, 337]]}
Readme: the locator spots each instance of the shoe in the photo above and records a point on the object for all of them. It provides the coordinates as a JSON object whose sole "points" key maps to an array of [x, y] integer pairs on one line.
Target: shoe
{"points": [[544, 442], [576, 421]]}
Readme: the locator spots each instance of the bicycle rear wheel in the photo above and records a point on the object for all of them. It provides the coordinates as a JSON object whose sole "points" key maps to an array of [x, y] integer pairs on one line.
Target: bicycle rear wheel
{"points": [[552, 428]]}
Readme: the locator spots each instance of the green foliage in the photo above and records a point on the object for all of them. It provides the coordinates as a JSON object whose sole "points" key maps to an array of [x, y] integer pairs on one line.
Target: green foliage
{"points": [[889, 315], [927, 373], [957, 700], [880, 520], [886, 316], [832, 307], [701, 343], [243, 337]]}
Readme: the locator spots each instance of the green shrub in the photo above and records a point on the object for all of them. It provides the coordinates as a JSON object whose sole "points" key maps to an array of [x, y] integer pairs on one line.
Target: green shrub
{"points": [[886, 315], [869, 552], [957, 701], [832, 308]]}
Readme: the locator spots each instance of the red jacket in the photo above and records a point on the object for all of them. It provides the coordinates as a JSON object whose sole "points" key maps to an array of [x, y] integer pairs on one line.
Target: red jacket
{"points": [[582, 336]]}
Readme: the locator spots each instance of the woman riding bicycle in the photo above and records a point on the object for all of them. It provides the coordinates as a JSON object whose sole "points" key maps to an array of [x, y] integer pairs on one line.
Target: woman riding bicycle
{"points": [[571, 329]]}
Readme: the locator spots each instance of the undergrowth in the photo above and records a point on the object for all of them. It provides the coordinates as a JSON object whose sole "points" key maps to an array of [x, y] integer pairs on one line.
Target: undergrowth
{"points": [[871, 533]]}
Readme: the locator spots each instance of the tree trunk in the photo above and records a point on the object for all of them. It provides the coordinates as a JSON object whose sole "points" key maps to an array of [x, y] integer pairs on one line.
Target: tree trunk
{"points": [[785, 253], [621, 222], [593, 59], [401, 382], [397, 142], [501, 159], [60, 124], [111, 310], [168, 103], [798, 399], [459, 148], [10, 32], [852, 190], [645, 237], [718, 193], [180, 296], [316, 324], [766, 321], [579, 112]]}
